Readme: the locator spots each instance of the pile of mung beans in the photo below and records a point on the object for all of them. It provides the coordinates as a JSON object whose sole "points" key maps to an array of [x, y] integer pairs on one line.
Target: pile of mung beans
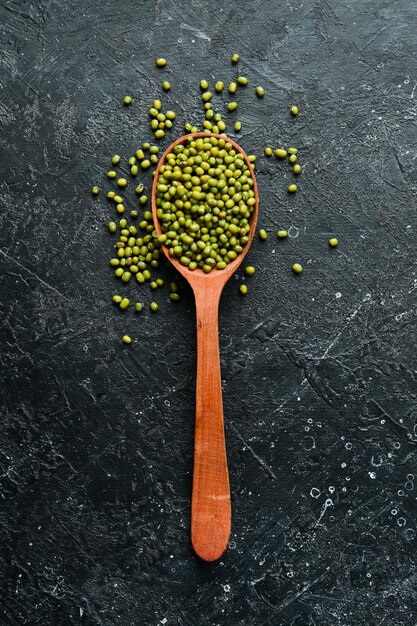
{"points": [[205, 199], [204, 196]]}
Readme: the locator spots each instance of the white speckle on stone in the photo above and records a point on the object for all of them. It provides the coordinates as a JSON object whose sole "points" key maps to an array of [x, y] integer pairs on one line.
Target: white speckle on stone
{"points": [[199, 33]]}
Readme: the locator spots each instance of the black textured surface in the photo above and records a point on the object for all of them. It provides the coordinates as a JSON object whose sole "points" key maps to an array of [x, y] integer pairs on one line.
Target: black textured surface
{"points": [[319, 370]]}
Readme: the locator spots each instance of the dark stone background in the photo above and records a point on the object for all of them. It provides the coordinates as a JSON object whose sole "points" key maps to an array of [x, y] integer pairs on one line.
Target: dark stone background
{"points": [[319, 370]]}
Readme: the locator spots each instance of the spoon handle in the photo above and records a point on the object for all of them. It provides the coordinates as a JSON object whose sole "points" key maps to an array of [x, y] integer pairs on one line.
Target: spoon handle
{"points": [[211, 508]]}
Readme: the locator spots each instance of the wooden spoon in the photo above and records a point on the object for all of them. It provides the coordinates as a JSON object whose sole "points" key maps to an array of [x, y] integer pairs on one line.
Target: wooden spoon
{"points": [[210, 507]]}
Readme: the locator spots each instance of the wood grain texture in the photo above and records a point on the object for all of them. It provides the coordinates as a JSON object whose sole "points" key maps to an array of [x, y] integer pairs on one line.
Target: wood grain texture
{"points": [[211, 507]]}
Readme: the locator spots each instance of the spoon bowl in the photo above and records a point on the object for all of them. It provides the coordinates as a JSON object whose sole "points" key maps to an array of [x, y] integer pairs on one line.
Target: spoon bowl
{"points": [[233, 265], [211, 506]]}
